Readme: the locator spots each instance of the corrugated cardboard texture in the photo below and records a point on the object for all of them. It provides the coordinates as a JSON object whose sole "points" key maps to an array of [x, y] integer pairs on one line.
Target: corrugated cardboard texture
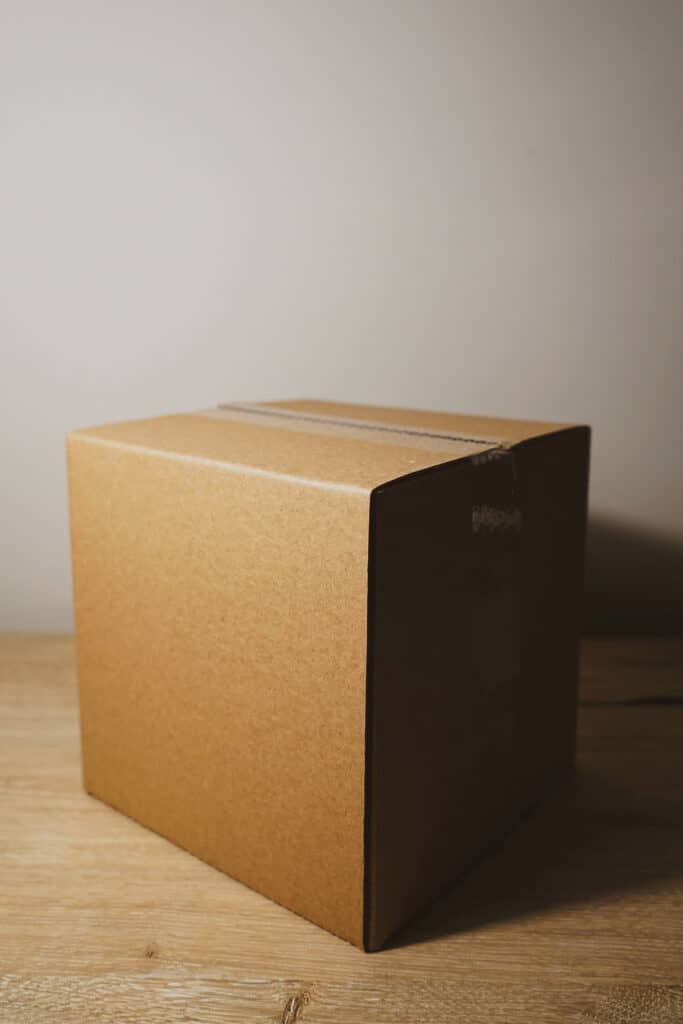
{"points": [[221, 568], [221, 655]]}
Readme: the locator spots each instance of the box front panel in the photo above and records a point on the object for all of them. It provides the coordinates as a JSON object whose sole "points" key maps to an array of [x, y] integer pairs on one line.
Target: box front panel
{"points": [[221, 636]]}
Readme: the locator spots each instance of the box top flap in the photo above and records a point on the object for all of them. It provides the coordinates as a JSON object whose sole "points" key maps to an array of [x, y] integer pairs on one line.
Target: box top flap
{"points": [[320, 443]]}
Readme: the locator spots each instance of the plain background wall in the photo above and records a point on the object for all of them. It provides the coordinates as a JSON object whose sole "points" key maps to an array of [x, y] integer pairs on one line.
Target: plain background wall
{"points": [[466, 206]]}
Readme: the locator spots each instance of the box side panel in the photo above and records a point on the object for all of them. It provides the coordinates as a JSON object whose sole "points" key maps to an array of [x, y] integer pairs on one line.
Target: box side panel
{"points": [[475, 616], [221, 638]]}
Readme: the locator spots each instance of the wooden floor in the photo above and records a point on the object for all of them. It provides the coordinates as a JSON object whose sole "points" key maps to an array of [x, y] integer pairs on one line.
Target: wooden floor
{"points": [[577, 917]]}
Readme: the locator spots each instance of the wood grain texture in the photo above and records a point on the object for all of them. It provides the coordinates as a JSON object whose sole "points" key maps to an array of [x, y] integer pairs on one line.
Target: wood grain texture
{"points": [[576, 917]]}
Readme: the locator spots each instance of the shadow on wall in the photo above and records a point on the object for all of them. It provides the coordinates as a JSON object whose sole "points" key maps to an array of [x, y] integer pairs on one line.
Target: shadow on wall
{"points": [[634, 580]]}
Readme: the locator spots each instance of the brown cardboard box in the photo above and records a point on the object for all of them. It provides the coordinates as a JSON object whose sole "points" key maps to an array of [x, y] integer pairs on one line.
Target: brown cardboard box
{"points": [[330, 649]]}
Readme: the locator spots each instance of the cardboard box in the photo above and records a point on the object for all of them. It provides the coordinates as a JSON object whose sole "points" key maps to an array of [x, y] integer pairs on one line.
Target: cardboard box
{"points": [[330, 649]]}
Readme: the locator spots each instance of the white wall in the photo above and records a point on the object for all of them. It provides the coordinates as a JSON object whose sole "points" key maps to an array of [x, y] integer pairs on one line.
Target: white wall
{"points": [[463, 205]]}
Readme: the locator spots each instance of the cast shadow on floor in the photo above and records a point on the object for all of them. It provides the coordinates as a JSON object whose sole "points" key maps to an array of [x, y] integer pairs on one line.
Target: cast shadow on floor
{"points": [[634, 579], [588, 842]]}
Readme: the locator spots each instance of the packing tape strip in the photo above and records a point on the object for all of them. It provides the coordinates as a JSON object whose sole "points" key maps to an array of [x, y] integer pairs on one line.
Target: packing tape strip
{"points": [[358, 429]]}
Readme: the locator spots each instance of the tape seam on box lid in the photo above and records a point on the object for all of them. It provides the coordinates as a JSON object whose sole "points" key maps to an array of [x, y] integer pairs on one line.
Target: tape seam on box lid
{"points": [[342, 421]]}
